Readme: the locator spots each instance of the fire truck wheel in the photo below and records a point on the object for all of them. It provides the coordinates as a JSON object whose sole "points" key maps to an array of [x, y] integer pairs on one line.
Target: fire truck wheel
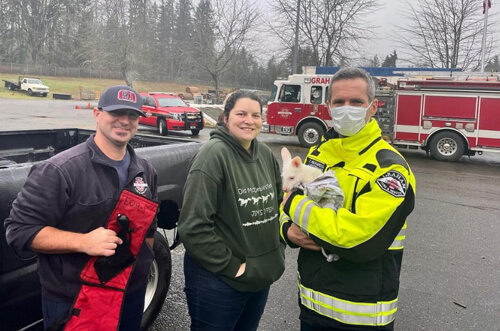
{"points": [[310, 134], [447, 146], [162, 127], [158, 281]]}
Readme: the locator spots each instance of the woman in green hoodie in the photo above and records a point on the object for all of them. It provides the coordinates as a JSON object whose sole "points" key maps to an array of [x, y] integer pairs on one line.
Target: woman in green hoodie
{"points": [[229, 224]]}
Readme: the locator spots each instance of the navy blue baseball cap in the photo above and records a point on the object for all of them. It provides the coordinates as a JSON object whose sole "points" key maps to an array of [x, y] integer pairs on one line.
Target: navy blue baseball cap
{"points": [[120, 97]]}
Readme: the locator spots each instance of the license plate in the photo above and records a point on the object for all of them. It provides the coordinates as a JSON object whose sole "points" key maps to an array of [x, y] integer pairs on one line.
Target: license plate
{"points": [[286, 129], [193, 127]]}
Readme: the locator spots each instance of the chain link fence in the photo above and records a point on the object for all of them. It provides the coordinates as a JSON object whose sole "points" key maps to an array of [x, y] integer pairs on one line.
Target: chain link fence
{"points": [[48, 70], [156, 76]]}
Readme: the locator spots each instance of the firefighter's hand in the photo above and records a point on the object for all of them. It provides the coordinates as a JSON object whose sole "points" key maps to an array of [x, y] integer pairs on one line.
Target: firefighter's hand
{"points": [[286, 195], [100, 242], [298, 237]]}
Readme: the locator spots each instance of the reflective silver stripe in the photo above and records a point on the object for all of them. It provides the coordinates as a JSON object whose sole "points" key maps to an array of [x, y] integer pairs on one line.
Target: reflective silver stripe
{"points": [[305, 216], [284, 217], [398, 243], [380, 313]]}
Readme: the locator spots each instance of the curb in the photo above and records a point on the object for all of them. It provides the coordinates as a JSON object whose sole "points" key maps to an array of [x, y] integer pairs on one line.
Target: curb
{"points": [[209, 121]]}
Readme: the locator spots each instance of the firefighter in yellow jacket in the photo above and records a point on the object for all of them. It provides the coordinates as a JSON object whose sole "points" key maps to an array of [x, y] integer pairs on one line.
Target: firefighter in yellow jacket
{"points": [[356, 288]]}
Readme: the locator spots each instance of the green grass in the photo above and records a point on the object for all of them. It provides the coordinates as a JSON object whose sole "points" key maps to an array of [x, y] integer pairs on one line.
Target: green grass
{"points": [[70, 85]]}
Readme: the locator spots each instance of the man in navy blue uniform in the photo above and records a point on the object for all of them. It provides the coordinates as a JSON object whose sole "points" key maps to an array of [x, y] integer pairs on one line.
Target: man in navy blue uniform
{"points": [[63, 208]]}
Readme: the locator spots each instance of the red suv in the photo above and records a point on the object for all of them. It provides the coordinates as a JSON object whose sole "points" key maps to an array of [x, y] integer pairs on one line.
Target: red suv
{"points": [[168, 112]]}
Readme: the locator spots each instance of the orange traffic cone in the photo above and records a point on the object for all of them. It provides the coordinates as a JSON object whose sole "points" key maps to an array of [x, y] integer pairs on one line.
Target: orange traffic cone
{"points": [[88, 106], [78, 107]]}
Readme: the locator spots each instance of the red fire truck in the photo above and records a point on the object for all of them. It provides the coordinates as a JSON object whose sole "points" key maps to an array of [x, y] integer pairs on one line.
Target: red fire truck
{"points": [[446, 116], [297, 107]]}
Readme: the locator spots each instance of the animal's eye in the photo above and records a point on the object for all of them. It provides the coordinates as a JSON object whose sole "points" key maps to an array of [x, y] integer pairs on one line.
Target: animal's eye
{"points": [[292, 178]]}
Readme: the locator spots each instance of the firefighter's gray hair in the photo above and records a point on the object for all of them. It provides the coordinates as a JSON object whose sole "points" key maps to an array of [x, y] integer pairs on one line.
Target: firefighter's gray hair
{"points": [[352, 73]]}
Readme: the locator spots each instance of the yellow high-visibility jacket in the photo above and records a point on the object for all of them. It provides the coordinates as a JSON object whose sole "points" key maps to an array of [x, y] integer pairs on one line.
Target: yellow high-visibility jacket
{"points": [[366, 235]]}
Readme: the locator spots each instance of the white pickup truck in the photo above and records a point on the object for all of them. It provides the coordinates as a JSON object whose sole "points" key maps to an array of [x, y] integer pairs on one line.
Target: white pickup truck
{"points": [[33, 86]]}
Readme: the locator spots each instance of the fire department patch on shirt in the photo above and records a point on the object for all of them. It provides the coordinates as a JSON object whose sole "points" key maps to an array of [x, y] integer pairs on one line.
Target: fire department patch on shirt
{"points": [[140, 185], [394, 183]]}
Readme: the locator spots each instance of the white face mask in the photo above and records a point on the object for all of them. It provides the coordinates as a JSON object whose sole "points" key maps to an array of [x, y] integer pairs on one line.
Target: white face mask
{"points": [[348, 120]]}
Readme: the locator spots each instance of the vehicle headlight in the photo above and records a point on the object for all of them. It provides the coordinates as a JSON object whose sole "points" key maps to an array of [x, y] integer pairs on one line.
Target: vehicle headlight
{"points": [[176, 116]]}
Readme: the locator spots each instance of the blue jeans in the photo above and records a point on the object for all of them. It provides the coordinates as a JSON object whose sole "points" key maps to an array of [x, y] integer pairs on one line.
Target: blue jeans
{"points": [[131, 316], [214, 305]]}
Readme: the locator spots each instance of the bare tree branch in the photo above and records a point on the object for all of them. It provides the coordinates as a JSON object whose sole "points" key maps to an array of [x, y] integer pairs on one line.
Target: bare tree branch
{"points": [[330, 28], [235, 19], [443, 33]]}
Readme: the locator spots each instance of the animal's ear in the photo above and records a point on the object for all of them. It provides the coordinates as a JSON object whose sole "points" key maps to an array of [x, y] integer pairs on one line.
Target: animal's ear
{"points": [[296, 161], [285, 154]]}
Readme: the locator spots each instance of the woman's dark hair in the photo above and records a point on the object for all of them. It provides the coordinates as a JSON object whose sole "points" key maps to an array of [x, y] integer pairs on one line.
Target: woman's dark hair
{"points": [[235, 96]]}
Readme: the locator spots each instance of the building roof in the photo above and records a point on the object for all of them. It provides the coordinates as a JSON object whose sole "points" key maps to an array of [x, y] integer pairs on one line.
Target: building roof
{"points": [[386, 71]]}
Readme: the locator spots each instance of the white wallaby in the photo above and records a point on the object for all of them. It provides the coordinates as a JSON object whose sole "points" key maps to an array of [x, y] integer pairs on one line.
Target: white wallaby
{"points": [[295, 172]]}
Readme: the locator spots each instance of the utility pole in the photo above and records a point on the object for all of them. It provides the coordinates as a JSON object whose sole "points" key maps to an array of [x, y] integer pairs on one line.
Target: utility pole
{"points": [[483, 48], [296, 45]]}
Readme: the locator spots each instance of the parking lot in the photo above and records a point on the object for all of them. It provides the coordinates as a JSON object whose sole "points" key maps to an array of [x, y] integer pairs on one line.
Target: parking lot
{"points": [[451, 269]]}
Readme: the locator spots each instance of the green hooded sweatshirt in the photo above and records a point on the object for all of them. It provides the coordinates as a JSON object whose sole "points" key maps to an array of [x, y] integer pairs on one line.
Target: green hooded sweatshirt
{"points": [[231, 212]]}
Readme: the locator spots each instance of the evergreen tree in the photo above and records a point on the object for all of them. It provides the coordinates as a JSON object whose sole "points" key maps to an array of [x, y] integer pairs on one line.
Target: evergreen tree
{"points": [[493, 65], [390, 60], [274, 70], [77, 43], [165, 56], [6, 32], [203, 35], [182, 37], [151, 40]]}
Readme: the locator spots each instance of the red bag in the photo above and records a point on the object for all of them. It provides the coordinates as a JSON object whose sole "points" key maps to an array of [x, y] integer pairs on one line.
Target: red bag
{"points": [[105, 279]]}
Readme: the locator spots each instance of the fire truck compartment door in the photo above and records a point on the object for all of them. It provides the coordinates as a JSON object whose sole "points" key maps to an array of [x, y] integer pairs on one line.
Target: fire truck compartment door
{"points": [[407, 117], [489, 122], [453, 107]]}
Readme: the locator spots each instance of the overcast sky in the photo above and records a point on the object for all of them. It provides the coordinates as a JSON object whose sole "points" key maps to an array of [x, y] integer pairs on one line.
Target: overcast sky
{"points": [[391, 14]]}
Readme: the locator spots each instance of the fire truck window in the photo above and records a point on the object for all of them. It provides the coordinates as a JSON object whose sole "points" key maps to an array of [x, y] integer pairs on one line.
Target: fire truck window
{"points": [[316, 95], [290, 93], [274, 91]]}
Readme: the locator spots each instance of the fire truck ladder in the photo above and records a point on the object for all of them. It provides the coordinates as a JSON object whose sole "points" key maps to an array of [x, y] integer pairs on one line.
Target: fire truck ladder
{"points": [[452, 75]]}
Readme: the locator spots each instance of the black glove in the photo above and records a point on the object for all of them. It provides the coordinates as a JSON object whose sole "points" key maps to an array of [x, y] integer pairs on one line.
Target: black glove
{"points": [[108, 267]]}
